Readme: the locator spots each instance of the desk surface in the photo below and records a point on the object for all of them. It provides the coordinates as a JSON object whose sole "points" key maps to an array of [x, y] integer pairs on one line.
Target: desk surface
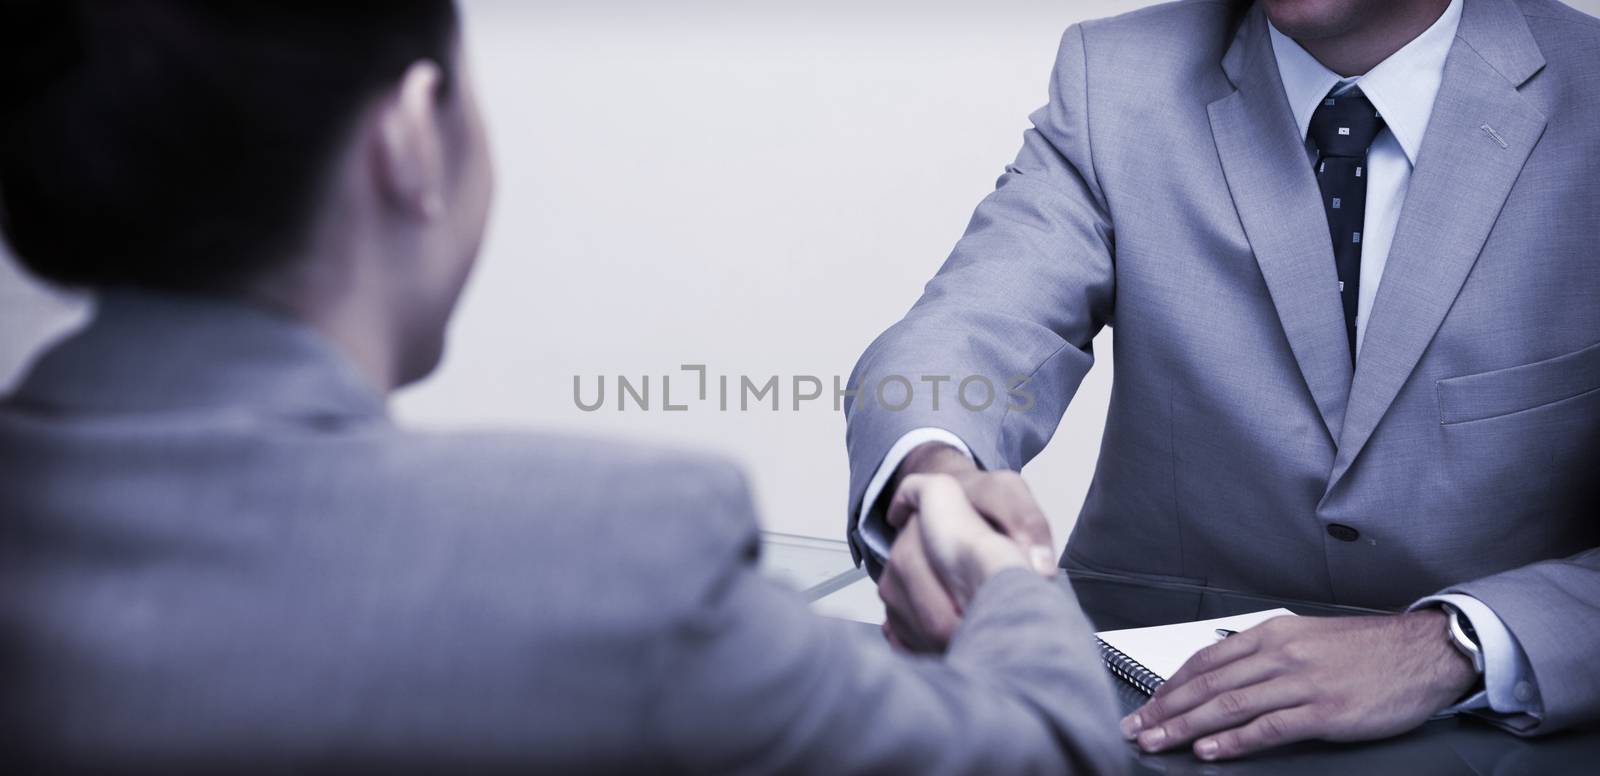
{"points": [[1448, 746]]}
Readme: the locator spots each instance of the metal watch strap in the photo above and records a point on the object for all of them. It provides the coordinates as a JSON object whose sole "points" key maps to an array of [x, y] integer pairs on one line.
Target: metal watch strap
{"points": [[1462, 636]]}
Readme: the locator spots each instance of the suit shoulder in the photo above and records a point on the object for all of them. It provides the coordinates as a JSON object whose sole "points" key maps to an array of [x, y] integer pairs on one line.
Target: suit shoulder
{"points": [[604, 485], [1159, 28], [1569, 40], [1154, 18], [557, 451], [649, 529], [1558, 11], [1158, 53]]}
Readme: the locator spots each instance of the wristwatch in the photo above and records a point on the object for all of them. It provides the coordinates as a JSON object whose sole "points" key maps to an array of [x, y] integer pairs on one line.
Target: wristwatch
{"points": [[1463, 637]]}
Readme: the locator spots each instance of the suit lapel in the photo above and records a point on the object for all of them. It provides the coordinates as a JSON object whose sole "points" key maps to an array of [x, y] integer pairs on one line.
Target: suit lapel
{"points": [[1480, 135], [1273, 187]]}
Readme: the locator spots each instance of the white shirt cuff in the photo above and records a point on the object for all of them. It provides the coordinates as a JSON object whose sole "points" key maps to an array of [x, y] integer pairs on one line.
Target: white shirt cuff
{"points": [[1509, 686], [873, 532]]}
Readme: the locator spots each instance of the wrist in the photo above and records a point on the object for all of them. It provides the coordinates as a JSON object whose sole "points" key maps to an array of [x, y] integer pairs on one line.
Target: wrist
{"points": [[1456, 674], [936, 458]]}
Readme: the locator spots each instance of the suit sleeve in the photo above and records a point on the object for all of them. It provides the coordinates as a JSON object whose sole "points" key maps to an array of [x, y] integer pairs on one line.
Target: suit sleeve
{"points": [[753, 682], [1019, 301], [1553, 610]]}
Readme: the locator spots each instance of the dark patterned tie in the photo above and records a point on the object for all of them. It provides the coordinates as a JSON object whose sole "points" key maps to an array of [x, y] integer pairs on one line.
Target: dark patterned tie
{"points": [[1342, 129]]}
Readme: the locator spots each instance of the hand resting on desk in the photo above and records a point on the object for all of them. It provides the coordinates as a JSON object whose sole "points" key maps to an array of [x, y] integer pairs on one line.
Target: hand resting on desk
{"points": [[1298, 678]]}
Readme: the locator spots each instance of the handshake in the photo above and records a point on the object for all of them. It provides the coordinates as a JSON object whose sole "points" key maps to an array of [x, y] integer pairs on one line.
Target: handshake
{"points": [[957, 526]]}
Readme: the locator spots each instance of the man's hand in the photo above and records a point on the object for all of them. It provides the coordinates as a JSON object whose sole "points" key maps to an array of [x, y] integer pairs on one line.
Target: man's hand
{"points": [[954, 547], [921, 613], [1298, 678]]}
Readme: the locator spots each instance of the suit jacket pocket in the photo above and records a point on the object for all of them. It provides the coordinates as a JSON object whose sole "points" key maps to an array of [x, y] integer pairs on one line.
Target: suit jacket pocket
{"points": [[1519, 388]]}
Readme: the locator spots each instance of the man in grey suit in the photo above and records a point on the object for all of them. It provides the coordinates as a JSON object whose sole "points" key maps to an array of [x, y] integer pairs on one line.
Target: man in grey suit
{"points": [[1403, 416], [218, 553]]}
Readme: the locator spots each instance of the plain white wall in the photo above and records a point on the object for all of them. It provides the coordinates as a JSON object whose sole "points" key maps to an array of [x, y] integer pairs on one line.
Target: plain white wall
{"points": [[759, 187]]}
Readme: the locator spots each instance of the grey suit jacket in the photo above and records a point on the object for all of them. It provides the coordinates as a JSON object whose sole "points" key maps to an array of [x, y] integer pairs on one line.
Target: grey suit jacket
{"points": [[1165, 191], [217, 552]]}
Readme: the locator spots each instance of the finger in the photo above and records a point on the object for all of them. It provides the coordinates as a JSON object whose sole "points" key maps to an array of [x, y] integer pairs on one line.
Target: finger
{"points": [[915, 493], [926, 614], [1175, 698], [1264, 732], [1212, 658], [1225, 711], [894, 640], [934, 612], [929, 604], [962, 549], [904, 503], [1205, 661], [892, 593], [896, 627], [1005, 500], [946, 518], [909, 637]]}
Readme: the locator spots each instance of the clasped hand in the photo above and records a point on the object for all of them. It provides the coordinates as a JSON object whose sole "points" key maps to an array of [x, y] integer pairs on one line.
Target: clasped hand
{"points": [[955, 548], [923, 605]]}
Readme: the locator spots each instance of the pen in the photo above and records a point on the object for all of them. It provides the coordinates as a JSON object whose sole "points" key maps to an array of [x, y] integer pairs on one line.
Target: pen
{"points": [[1223, 633]]}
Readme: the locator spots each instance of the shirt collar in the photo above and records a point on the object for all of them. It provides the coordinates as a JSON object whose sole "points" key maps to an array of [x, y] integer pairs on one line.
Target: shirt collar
{"points": [[1401, 87]]}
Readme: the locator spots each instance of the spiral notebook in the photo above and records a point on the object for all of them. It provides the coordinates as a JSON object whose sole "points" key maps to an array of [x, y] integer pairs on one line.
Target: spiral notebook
{"points": [[1146, 657]]}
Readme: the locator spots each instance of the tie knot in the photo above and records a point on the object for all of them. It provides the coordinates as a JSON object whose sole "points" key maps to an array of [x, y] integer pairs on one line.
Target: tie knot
{"points": [[1345, 124]]}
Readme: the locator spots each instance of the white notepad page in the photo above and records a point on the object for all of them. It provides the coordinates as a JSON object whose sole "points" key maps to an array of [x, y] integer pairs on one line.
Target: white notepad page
{"points": [[1163, 649]]}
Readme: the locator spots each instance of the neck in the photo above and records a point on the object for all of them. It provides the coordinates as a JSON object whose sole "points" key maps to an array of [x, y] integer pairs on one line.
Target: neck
{"points": [[368, 347], [353, 324], [1376, 36]]}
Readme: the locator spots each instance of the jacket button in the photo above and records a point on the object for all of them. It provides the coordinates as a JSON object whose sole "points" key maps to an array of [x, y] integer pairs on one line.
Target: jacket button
{"points": [[1343, 533]]}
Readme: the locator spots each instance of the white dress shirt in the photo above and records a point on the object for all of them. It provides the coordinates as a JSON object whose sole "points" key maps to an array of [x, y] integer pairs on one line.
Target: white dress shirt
{"points": [[1402, 88]]}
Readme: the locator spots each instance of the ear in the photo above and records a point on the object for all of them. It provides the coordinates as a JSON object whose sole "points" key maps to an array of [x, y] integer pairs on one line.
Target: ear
{"points": [[410, 144]]}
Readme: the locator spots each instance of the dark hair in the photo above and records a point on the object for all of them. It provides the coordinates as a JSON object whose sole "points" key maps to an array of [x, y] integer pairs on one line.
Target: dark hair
{"points": [[180, 144]]}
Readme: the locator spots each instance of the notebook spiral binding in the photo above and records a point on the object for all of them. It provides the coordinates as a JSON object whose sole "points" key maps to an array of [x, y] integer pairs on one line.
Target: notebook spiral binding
{"points": [[1129, 670]]}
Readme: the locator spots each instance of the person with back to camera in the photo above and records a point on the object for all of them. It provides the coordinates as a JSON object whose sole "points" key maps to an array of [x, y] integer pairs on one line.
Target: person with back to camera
{"points": [[219, 554]]}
